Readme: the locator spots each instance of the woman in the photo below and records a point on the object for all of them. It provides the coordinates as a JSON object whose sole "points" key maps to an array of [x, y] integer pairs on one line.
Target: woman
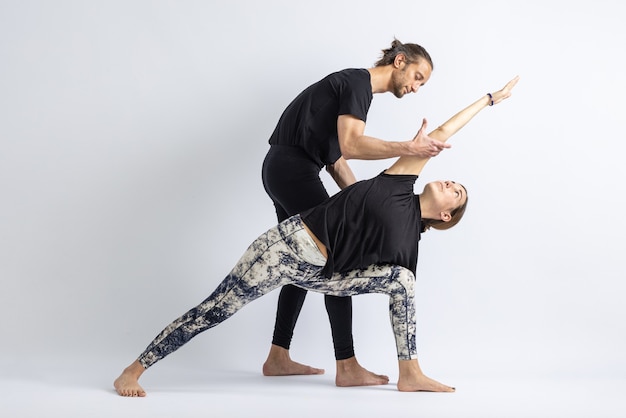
{"points": [[362, 240]]}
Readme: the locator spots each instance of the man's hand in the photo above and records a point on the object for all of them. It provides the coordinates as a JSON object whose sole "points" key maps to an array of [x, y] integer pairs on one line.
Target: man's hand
{"points": [[424, 146]]}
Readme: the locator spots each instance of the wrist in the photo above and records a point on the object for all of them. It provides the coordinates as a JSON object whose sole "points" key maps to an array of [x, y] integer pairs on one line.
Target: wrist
{"points": [[490, 99], [406, 148]]}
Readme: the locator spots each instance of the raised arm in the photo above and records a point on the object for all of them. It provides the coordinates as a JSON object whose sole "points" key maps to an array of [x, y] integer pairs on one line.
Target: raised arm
{"points": [[414, 165]]}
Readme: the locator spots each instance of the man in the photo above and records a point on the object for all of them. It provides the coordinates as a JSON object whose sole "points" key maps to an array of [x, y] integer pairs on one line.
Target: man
{"points": [[324, 127]]}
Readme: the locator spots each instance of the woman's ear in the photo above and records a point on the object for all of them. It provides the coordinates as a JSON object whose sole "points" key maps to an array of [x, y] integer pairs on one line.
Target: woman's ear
{"points": [[445, 216]]}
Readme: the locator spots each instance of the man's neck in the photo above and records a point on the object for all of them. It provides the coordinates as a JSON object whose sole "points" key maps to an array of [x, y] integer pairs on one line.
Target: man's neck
{"points": [[380, 78]]}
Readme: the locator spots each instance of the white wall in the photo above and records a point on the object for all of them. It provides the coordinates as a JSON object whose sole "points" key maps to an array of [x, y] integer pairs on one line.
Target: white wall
{"points": [[131, 140]]}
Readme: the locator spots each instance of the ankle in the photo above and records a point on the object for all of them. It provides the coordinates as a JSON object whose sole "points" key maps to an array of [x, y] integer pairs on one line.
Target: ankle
{"points": [[347, 364], [279, 352], [136, 369]]}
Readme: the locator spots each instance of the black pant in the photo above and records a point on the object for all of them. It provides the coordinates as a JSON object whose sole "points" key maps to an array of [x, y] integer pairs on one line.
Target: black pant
{"points": [[292, 181]]}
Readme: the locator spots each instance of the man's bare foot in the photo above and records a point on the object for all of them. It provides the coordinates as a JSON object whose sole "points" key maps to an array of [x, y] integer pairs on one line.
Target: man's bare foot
{"points": [[351, 373], [127, 384], [413, 380], [279, 363]]}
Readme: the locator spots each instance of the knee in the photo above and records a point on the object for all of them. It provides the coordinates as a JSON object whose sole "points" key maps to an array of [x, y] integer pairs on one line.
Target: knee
{"points": [[405, 278]]}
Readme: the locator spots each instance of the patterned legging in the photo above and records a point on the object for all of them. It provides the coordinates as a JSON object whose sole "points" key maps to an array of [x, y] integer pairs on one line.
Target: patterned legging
{"points": [[287, 254]]}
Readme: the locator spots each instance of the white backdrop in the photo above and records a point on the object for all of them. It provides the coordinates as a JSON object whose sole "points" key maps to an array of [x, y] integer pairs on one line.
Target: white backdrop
{"points": [[131, 140]]}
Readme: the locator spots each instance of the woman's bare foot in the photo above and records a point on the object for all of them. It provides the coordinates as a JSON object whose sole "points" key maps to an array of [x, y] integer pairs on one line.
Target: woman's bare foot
{"points": [[351, 373], [279, 363], [127, 384], [413, 380]]}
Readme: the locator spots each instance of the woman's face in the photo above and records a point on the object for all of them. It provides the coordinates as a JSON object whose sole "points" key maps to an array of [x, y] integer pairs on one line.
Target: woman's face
{"points": [[447, 194]]}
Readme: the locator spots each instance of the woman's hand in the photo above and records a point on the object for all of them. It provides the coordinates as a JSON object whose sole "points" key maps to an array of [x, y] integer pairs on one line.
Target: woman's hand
{"points": [[505, 92]]}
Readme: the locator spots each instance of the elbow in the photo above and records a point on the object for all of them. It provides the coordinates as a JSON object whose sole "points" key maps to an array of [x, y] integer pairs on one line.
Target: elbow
{"points": [[348, 151], [441, 134], [348, 156]]}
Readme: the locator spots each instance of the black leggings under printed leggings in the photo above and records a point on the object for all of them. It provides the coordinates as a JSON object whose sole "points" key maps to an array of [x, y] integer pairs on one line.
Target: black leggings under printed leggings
{"points": [[292, 181]]}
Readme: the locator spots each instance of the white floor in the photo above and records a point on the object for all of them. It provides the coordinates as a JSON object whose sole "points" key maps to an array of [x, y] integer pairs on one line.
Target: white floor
{"points": [[179, 393]]}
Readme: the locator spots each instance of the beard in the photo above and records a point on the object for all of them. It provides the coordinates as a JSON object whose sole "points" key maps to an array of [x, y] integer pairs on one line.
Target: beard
{"points": [[397, 84]]}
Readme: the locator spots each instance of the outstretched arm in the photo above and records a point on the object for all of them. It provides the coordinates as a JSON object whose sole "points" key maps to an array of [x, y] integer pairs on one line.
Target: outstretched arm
{"points": [[414, 165]]}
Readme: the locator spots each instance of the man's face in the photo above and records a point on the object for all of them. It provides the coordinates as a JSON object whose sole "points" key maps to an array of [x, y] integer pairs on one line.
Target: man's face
{"points": [[408, 78]]}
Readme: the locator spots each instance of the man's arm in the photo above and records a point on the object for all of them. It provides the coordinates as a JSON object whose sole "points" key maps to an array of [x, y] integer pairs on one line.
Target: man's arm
{"points": [[341, 172], [355, 145]]}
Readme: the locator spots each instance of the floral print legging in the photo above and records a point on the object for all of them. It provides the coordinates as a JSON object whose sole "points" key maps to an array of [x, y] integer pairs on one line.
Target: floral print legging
{"points": [[282, 255]]}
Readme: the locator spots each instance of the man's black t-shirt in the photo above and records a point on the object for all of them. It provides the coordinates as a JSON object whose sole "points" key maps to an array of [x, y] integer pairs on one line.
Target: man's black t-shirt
{"points": [[310, 120], [375, 221]]}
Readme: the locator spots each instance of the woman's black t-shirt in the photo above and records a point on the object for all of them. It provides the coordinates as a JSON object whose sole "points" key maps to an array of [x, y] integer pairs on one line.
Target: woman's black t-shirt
{"points": [[375, 221]]}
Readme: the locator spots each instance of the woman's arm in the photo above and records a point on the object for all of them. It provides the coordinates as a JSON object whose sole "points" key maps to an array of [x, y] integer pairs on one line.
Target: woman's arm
{"points": [[414, 165]]}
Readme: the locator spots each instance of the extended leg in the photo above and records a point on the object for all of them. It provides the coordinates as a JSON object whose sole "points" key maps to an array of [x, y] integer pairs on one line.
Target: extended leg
{"points": [[269, 263]]}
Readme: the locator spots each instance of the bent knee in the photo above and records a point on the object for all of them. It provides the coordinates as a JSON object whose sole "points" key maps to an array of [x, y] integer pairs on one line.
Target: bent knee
{"points": [[406, 278]]}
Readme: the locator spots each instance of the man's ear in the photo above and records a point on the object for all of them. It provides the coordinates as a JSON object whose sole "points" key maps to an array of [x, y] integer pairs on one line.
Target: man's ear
{"points": [[399, 61]]}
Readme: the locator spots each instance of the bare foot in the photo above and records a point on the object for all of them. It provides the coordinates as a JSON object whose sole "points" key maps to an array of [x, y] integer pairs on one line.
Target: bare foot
{"points": [[413, 380], [351, 373], [127, 384], [279, 363]]}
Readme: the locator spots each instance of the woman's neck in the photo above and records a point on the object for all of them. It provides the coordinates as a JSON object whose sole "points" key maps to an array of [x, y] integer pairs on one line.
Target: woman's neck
{"points": [[427, 208]]}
